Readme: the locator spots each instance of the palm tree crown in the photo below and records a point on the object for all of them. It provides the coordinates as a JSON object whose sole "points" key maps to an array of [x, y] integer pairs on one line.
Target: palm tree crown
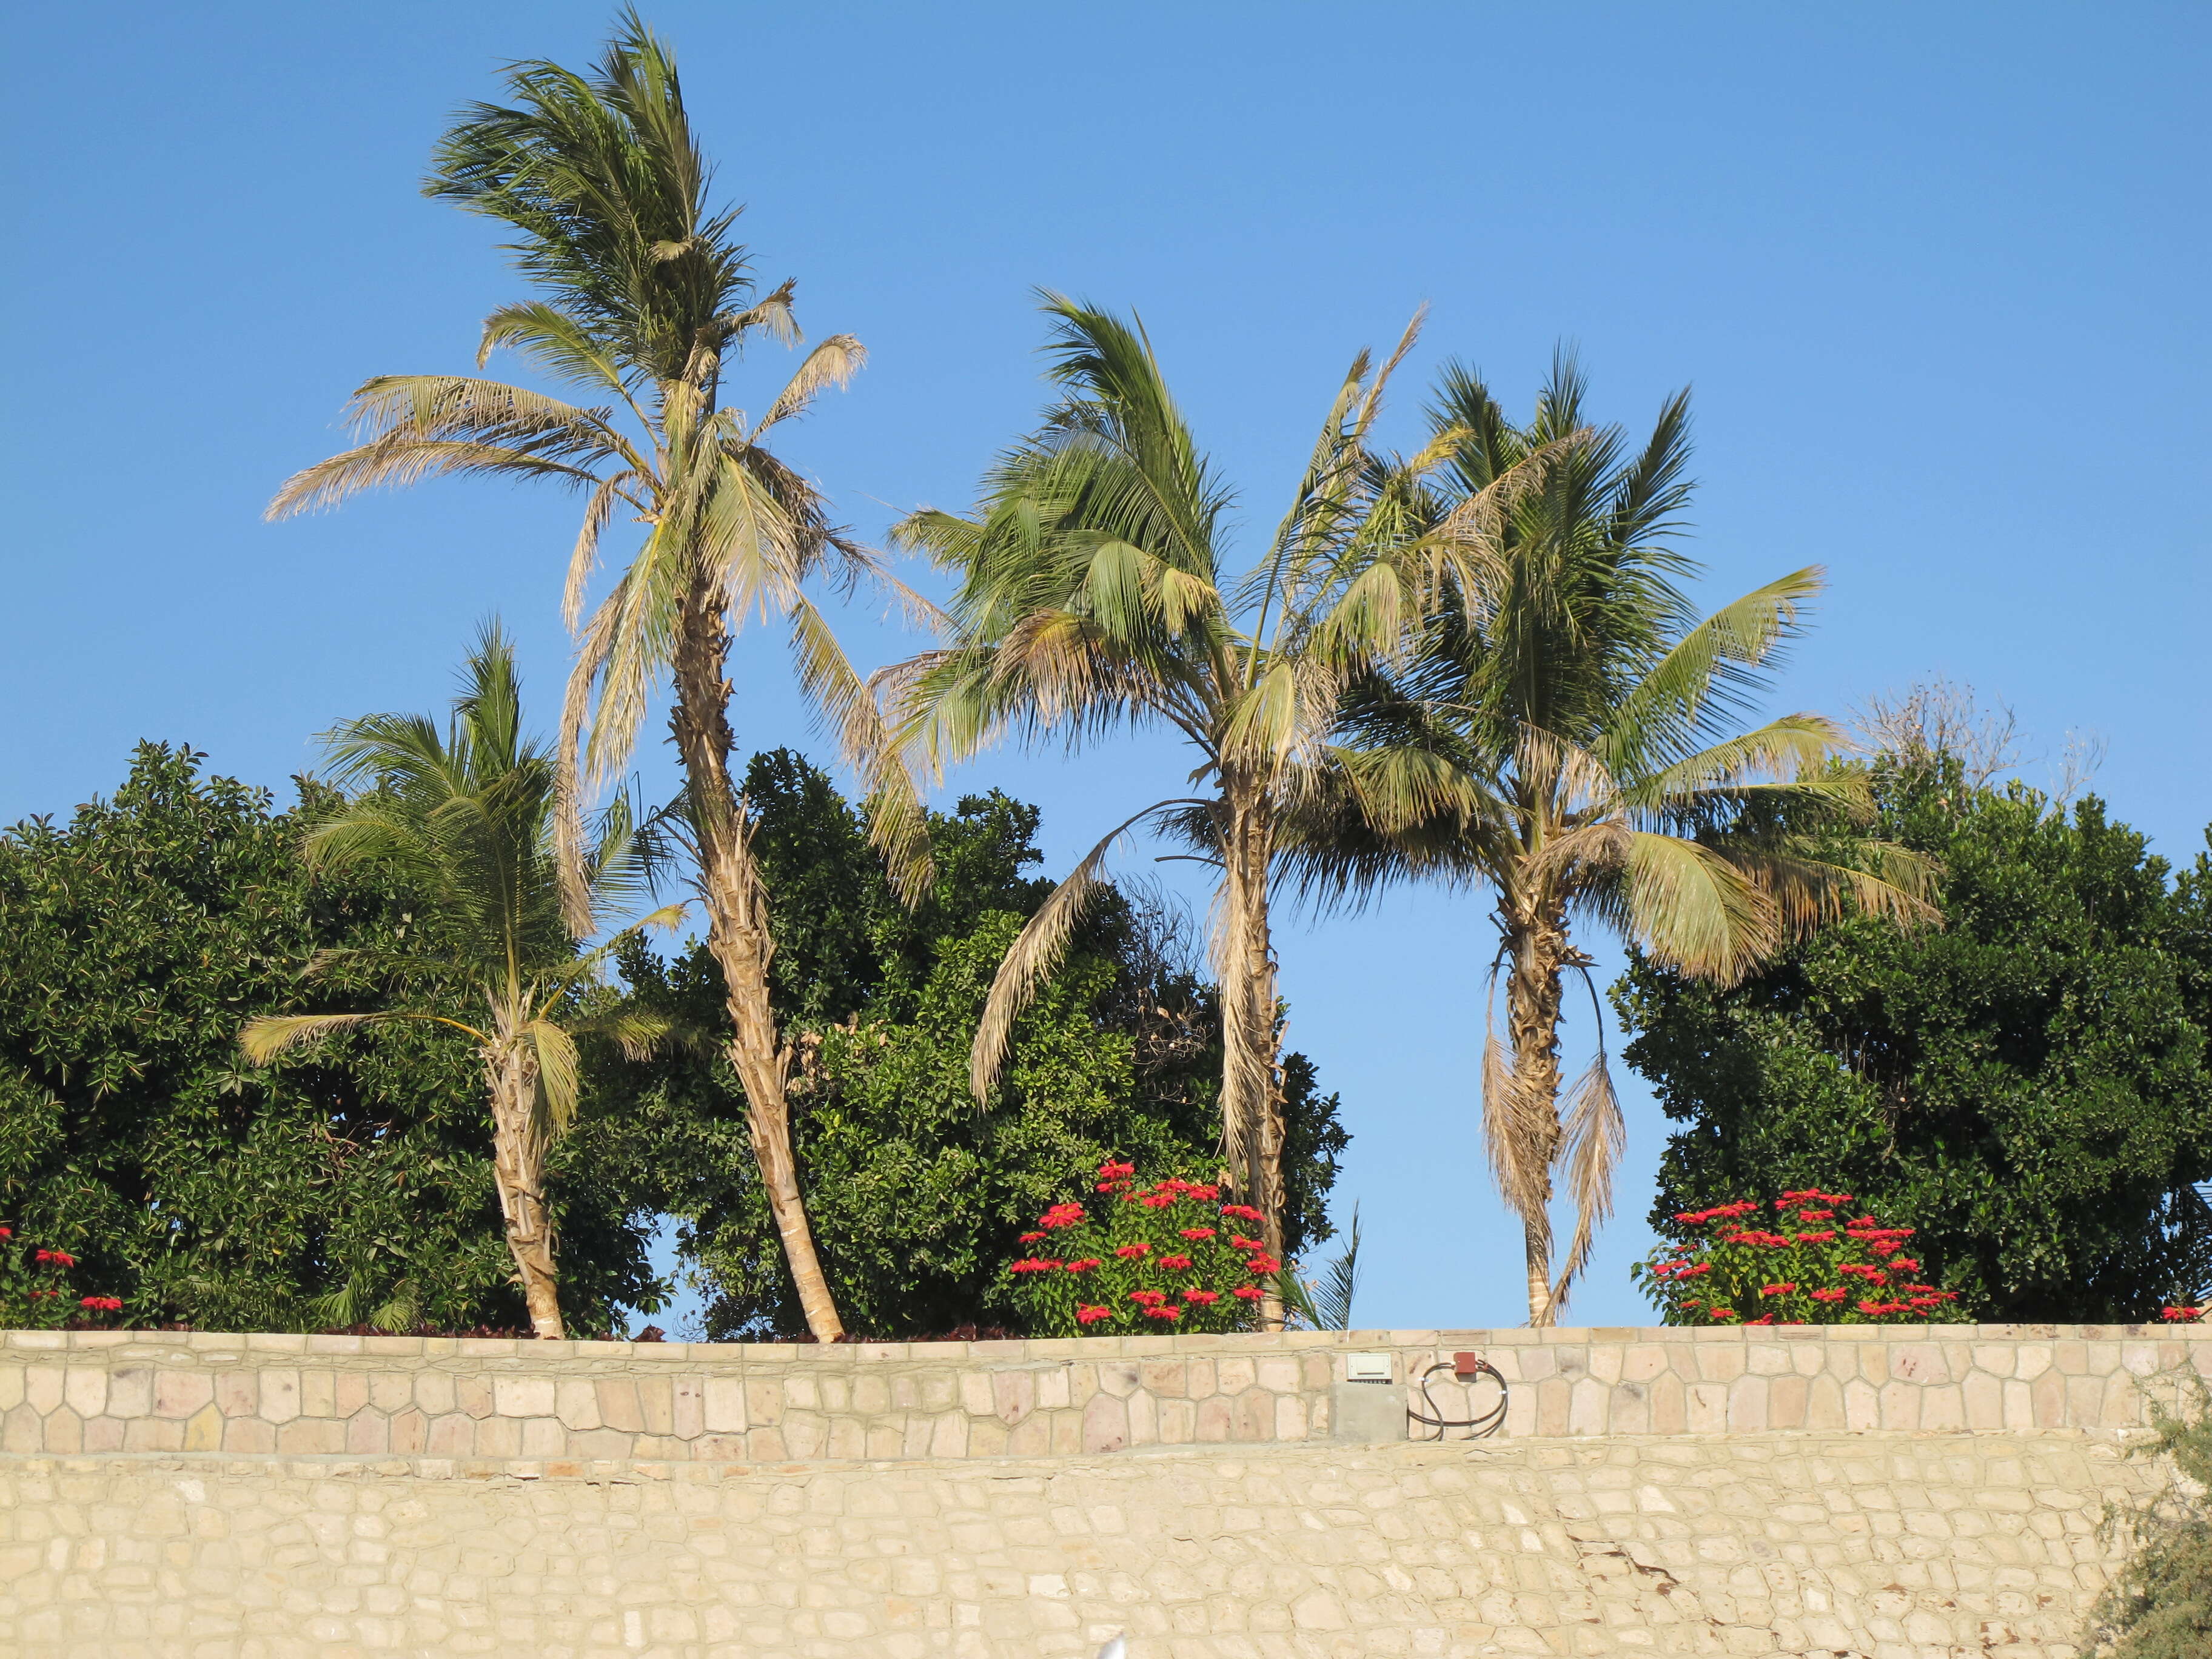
{"points": [[645, 296], [1096, 591], [1568, 734], [465, 819]]}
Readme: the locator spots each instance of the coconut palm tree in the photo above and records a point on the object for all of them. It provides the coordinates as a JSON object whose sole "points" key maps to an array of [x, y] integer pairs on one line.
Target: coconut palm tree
{"points": [[465, 819], [1094, 590], [1569, 739], [647, 295]]}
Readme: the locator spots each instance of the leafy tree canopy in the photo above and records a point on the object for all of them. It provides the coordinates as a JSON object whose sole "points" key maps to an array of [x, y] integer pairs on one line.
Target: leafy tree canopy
{"points": [[2027, 1085], [140, 938], [916, 1194]]}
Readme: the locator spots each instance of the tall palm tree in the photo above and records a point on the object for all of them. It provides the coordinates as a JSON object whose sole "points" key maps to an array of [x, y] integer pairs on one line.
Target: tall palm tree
{"points": [[466, 820], [1568, 736], [1094, 590], [647, 295]]}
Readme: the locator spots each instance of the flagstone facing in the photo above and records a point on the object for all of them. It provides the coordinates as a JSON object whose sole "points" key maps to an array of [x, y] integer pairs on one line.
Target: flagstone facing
{"points": [[1860, 1491], [1871, 1547], [436, 1397]]}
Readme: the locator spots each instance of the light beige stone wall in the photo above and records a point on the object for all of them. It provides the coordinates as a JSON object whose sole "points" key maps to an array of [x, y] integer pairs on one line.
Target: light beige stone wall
{"points": [[1808, 1544], [572, 1402]]}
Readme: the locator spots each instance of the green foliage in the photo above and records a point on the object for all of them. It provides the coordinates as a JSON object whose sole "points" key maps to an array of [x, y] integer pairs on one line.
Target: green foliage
{"points": [[1127, 1260], [35, 1292], [2160, 1606], [2027, 1083], [1821, 1263], [140, 938], [916, 1194]]}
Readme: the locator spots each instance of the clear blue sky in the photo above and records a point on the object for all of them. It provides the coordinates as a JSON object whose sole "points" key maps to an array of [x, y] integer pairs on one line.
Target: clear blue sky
{"points": [[1936, 274]]}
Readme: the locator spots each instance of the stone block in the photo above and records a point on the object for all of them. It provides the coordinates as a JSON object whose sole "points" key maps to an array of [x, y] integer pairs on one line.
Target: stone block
{"points": [[1366, 1414]]}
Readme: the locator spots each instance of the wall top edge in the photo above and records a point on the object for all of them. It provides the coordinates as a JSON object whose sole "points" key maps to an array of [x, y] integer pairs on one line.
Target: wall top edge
{"points": [[265, 1346]]}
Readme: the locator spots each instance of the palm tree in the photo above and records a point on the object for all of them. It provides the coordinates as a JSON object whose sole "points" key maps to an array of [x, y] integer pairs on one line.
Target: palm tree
{"points": [[648, 294], [466, 819], [1095, 591], [1568, 736]]}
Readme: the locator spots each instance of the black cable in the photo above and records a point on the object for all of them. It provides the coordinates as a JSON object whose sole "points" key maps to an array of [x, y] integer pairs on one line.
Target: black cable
{"points": [[1483, 1423]]}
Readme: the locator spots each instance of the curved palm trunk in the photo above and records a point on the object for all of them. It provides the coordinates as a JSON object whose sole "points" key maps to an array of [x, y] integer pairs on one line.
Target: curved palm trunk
{"points": [[1251, 1090], [518, 1172], [1538, 950], [737, 936]]}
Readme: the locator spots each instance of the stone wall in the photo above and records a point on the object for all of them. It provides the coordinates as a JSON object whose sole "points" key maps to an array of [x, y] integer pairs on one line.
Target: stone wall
{"points": [[411, 1396], [1815, 1546], [1852, 1493]]}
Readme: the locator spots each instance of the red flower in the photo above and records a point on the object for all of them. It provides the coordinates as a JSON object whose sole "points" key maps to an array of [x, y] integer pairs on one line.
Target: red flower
{"points": [[59, 1258], [1905, 1265], [1828, 1238], [1061, 1215], [1243, 1212], [1204, 1298], [1244, 1244], [1829, 1296], [1875, 1307], [1209, 1193], [1029, 1238], [1131, 1252], [1147, 1299], [1693, 1271], [1035, 1264], [1163, 1310], [107, 1303], [1263, 1263], [1777, 1290], [2187, 1316], [1722, 1313], [1248, 1292], [1109, 1171], [1085, 1265], [1198, 1232], [6, 1232], [1815, 1215], [1174, 1261], [1092, 1315]]}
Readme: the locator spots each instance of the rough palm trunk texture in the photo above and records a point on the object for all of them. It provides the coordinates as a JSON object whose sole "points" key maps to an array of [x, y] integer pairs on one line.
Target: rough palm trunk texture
{"points": [[738, 935], [1532, 1012], [519, 1173], [1251, 1104]]}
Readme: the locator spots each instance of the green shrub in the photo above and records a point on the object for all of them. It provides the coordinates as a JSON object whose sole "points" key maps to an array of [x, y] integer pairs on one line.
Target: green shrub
{"points": [[2160, 1606]]}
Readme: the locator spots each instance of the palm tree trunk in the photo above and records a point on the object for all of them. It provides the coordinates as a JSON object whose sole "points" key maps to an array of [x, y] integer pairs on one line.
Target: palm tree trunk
{"points": [[1251, 1094], [1532, 1010], [738, 938], [518, 1172]]}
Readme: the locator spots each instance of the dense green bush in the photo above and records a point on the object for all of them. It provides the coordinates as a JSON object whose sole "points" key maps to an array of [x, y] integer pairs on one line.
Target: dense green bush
{"points": [[2028, 1082], [916, 1194], [139, 937]]}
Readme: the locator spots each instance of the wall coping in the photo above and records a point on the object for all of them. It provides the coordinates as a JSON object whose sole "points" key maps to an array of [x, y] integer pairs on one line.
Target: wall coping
{"points": [[241, 1345]]}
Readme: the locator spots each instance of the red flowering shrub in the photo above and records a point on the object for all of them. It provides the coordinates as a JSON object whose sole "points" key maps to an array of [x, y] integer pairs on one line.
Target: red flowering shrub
{"points": [[36, 1295], [1152, 1258], [1810, 1269]]}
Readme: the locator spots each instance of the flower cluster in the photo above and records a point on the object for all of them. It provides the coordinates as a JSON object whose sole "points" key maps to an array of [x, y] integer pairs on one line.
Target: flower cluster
{"points": [[35, 1293], [1170, 1256], [1794, 1271]]}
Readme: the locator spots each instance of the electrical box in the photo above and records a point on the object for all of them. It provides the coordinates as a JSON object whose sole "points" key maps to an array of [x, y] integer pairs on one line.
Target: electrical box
{"points": [[1367, 1368]]}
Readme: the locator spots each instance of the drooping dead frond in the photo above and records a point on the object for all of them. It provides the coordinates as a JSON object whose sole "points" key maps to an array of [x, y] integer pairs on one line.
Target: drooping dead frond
{"points": [[267, 1035], [1594, 1137], [832, 364], [1034, 953], [559, 1076], [1516, 1128], [897, 822]]}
